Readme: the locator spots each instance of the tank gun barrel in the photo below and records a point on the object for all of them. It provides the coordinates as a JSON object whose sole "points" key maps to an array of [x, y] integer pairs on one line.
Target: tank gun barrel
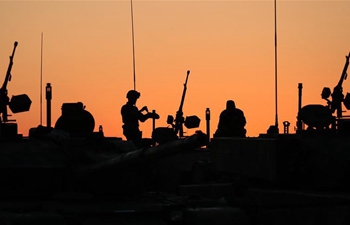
{"points": [[171, 148]]}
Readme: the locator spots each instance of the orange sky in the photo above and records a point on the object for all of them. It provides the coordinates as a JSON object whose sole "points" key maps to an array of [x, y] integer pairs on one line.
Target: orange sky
{"points": [[227, 45]]}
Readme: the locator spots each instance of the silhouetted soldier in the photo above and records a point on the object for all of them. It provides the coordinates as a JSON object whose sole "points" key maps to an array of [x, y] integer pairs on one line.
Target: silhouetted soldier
{"points": [[131, 117], [231, 122]]}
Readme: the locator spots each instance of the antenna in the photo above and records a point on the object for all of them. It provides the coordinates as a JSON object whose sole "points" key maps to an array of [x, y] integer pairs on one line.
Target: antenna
{"points": [[133, 43], [276, 119], [41, 79]]}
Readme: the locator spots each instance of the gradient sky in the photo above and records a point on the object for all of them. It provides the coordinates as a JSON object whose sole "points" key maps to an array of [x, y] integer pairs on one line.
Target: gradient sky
{"points": [[227, 45]]}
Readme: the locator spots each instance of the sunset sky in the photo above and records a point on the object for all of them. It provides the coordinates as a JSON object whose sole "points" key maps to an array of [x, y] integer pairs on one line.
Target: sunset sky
{"points": [[227, 45]]}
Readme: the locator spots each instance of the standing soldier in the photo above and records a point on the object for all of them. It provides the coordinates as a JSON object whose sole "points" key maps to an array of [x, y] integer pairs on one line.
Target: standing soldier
{"points": [[131, 117]]}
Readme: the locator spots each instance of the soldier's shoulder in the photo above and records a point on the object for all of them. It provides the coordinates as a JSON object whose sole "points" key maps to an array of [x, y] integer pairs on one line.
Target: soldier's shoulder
{"points": [[126, 107], [239, 110]]}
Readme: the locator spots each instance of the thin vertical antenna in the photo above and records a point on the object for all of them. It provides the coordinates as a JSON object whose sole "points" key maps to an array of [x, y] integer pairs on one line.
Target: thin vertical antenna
{"points": [[276, 119], [41, 80], [133, 44]]}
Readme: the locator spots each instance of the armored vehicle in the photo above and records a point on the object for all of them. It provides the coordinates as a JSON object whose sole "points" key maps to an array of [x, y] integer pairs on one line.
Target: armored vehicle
{"points": [[295, 178], [70, 174]]}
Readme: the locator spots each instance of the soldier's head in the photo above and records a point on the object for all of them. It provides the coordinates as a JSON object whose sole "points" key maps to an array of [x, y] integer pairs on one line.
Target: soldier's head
{"points": [[230, 104], [132, 96]]}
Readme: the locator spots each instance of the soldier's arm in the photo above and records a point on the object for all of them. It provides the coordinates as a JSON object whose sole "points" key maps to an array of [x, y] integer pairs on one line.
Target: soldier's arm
{"points": [[244, 121], [222, 124], [144, 117]]}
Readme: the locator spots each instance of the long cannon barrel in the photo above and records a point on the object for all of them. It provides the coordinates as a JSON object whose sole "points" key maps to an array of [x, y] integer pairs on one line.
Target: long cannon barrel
{"points": [[171, 148]]}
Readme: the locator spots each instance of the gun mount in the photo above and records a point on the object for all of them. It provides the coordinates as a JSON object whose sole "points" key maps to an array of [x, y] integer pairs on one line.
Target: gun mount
{"points": [[321, 117], [162, 134], [19, 103], [337, 96]]}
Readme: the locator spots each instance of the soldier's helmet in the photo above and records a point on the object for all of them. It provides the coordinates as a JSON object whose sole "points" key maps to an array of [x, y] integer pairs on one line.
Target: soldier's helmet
{"points": [[230, 104], [133, 94]]}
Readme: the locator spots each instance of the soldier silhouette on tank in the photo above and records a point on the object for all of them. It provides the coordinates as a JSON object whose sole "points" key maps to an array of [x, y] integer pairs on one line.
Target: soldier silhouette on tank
{"points": [[131, 116], [231, 122]]}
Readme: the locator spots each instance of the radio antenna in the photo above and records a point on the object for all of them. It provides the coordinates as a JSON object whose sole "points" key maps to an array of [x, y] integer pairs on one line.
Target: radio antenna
{"points": [[133, 44], [276, 119], [41, 79]]}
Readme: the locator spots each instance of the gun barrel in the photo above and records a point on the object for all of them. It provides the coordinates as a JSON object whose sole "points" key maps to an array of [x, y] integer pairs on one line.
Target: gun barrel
{"points": [[8, 73], [184, 92], [15, 45], [188, 73], [179, 114], [171, 148], [344, 74]]}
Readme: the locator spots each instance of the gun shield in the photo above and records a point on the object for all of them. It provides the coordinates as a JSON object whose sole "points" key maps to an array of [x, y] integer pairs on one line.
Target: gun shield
{"points": [[20, 103]]}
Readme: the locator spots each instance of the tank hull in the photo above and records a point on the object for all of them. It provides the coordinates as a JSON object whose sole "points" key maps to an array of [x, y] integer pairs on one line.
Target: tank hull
{"points": [[293, 160]]}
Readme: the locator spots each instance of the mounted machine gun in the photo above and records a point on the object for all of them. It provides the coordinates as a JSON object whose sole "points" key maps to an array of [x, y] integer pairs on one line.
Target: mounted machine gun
{"points": [[337, 95], [189, 122], [320, 117], [164, 134], [19, 103]]}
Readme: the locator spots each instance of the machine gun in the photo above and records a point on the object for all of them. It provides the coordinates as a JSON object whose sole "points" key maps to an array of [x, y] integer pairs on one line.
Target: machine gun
{"points": [[4, 99], [179, 119], [190, 121], [19, 103], [165, 134], [337, 95]]}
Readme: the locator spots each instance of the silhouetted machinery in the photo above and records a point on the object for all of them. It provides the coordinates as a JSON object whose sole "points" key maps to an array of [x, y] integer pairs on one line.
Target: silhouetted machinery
{"points": [[54, 180], [17, 104], [320, 117], [165, 134], [75, 120]]}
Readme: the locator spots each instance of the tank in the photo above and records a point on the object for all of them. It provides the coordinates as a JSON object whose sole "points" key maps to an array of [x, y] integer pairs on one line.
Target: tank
{"points": [[292, 178], [70, 174], [54, 178], [60, 175]]}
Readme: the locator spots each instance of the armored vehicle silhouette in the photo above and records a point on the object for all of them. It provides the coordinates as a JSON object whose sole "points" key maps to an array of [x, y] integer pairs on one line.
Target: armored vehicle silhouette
{"points": [[71, 175]]}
